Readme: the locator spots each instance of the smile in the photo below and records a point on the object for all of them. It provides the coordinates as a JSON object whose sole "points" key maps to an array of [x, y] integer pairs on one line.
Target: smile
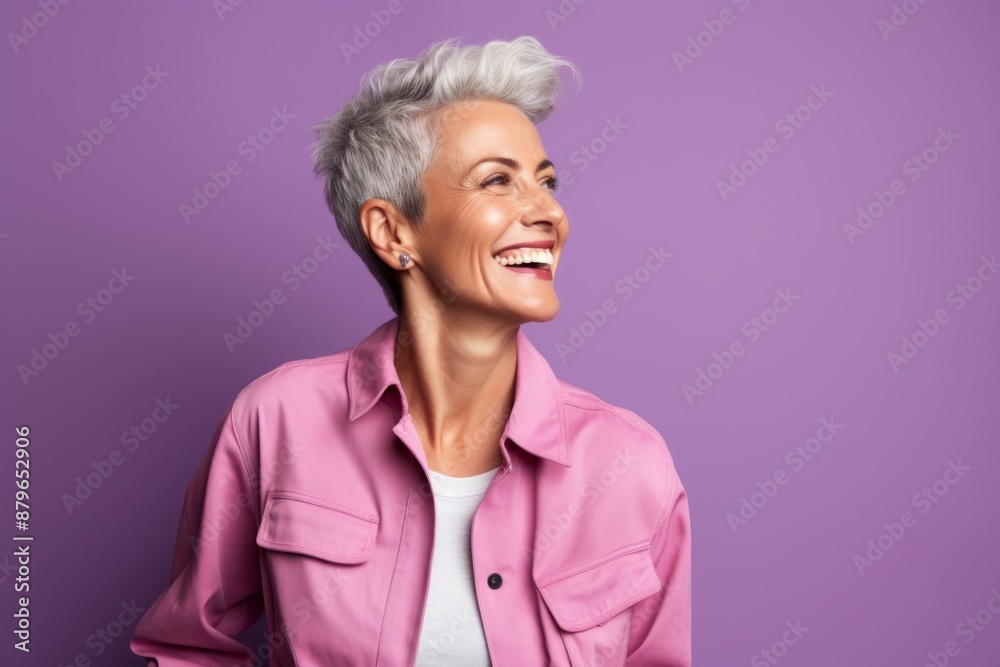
{"points": [[528, 257], [531, 262]]}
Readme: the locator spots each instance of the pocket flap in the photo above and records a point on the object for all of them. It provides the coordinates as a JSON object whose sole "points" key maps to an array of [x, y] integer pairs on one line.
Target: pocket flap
{"points": [[591, 594], [316, 527]]}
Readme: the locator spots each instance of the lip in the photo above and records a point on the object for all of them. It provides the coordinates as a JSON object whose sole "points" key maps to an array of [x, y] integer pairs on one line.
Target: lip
{"points": [[542, 274], [547, 245]]}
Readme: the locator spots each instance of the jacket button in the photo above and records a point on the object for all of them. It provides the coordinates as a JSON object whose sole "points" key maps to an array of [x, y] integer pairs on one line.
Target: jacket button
{"points": [[494, 581]]}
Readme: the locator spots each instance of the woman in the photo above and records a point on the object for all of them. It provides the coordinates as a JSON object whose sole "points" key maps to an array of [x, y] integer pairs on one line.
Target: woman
{"points": [[434, 495]]}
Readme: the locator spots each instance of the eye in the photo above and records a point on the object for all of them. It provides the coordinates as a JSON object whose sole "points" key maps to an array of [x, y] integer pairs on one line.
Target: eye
{"points": [[553, 183], [497, 179]]}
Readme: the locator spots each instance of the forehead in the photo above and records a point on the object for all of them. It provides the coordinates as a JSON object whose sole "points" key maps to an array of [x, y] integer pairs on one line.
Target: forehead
{"points": [[468, 129]]}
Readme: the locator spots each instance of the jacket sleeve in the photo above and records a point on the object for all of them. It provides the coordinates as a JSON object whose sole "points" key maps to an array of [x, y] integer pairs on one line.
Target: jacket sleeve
{"points": [[661, 624], [215, 588]]}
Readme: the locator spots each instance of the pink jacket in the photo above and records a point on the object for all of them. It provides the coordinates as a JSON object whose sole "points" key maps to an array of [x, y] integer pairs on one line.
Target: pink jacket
{"points": [[313, 505]]}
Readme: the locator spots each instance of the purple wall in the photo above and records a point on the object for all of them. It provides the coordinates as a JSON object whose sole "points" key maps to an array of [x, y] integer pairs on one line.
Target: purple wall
{"points": [[885, 328]]}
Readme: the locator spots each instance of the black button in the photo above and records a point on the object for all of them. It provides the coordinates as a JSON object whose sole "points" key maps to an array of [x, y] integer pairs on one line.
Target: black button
{"points": [[494, 581]]}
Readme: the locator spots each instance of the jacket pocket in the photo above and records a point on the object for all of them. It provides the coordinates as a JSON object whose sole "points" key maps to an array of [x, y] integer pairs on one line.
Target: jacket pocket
{"points": [[298, 523], [587, 602]]}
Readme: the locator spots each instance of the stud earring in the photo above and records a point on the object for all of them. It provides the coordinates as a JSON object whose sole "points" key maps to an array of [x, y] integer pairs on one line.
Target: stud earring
{"points": [[404, 258]]}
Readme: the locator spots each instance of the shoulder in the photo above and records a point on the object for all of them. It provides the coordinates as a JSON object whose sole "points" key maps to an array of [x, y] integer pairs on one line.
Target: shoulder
{"points": [[584, 408], [586, 404], [621, 483], [294, 383], [600, 430]]}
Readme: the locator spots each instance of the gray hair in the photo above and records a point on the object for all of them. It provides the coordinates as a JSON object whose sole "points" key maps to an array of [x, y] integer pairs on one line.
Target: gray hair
{"points": [[384, 138]]}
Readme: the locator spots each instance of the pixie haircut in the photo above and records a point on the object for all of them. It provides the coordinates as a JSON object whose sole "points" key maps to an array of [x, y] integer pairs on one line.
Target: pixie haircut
{"points": [[384, 138]]}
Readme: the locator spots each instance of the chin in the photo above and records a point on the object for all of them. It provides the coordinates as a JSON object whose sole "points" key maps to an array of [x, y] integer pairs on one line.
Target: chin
{"points": [[543, 312]]}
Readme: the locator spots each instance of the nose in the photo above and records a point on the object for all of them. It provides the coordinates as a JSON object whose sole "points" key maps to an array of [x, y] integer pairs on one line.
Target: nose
{"points": [[542, 206]]}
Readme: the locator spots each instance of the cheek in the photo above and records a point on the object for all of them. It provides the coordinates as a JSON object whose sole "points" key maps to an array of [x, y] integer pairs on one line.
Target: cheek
{"points": [[476, 227], [460, 239], [486, 216]]}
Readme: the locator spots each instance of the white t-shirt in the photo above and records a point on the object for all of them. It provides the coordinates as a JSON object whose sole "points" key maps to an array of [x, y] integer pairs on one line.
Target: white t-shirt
{"points": [[452, 631]]}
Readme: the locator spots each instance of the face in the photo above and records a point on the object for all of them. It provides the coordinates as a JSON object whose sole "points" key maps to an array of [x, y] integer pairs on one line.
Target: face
{"points": [[489, 193]]}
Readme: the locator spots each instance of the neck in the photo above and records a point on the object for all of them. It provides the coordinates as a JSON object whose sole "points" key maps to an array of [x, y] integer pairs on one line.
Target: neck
{"points": [[457, 373]]}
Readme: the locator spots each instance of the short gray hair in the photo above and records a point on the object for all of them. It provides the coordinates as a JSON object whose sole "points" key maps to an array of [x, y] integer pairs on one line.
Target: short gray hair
{"points": [[384, 138]]}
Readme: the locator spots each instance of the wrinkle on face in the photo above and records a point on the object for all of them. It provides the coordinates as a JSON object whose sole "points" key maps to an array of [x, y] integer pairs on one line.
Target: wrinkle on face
{"points": [[465, 220]]}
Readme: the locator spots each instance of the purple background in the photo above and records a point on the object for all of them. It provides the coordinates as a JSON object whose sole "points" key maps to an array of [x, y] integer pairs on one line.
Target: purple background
{"points": [[655, 185]]}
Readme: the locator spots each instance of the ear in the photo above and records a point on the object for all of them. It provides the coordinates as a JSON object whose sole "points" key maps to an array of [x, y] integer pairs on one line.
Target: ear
{"points": [[389, 232]]}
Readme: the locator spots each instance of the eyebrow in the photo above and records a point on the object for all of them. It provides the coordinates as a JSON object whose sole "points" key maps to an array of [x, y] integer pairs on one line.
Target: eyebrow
{"points": [[514, 164]]}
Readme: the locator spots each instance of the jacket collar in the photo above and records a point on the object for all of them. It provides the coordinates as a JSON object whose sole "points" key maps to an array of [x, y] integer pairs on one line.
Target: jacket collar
{"points": [[537, 422]]}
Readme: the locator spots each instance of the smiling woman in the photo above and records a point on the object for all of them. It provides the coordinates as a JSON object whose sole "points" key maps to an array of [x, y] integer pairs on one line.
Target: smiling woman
{"points": [[434, 495], [488, 196]]}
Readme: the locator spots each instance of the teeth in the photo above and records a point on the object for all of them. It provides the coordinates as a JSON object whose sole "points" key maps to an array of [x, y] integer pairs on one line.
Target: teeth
{"points": [[525, 255]]}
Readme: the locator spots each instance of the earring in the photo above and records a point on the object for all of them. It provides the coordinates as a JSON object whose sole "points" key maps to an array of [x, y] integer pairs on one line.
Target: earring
{"points": [[404, 258]]}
